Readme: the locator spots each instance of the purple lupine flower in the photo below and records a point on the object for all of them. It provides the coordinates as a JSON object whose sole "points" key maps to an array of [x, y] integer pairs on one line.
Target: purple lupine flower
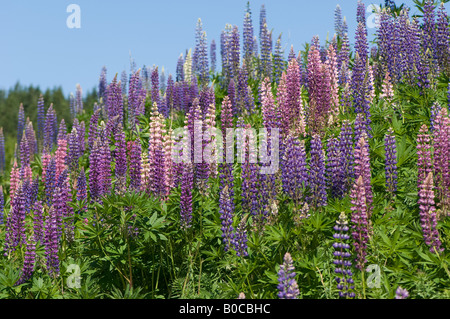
{"points": [[343, 60], [120, 158], [81, 186], [2, 152], [226, 215], [345, 283], [94, 170], [266, 51], [170, 94], [247, 36], [79, 100], [187, 185], [234, 53], [93, 129], [294, 173], [360, 13], [136, 98], [287, 285], [102, 84], [51, 242], [278, 60], [49, 130], [74, 152], [434, 111], [359, 222], [15, 223], [294, 111], [49, 180], [334, 169], [243, 94], [212, 54], [134, 167], [401, 293], [2, 205], [428, 218], [429, 41], [155, 90], [232, 96], [202, 64], [424, 159], [316, 179], [338, 21], [20, 124], [29, 262], [113, 100], [179, 69], [38, 222], [390, 161], [40, 121]]}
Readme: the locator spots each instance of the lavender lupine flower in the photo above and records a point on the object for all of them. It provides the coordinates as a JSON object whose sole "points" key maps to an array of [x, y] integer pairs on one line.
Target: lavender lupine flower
{"points": [[443, 37], [187, 185], [120, 158], [79, 100], [74, 152], [29, 262], [360, 13], [40, 121], [234, 53], [124, 80], [359, 222], [346, 159], [73, 113], [136, 98], [202, 64], [316, 179], [247, 36], [52, 243], [266, 52], [170, 94], [93, 128], [15, 223], [179, 69], [232, 96], [113, 100], [278, 60], [20, 124], [401, 293], [212, 54], [102, 84], [49, 130], [287, 285], [338, 21], [344, 279], [429, 41], [50, 180], [226, 215], [243, 95], [343, 60], [390, 161], [428, 218], [134, 167], [2, 152]]}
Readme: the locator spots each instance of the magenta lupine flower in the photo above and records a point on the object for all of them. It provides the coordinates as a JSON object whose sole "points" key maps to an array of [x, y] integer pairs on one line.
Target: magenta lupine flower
{"points": [[226, 216], [428, 218], [134, 166], [287, 285], [424, 159], [60, 157], [362, 169], [270, 112], [333, 74], [390, 161], [187, 185], [359, 221], [294, 99], [387, 91], [316, 179]]}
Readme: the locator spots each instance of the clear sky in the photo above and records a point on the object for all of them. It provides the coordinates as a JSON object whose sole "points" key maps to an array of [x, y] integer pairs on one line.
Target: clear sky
{"points": [[38, 48]]}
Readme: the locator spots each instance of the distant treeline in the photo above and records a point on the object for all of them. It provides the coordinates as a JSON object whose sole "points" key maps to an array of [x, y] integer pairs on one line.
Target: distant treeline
{"points": [[28, 96]]}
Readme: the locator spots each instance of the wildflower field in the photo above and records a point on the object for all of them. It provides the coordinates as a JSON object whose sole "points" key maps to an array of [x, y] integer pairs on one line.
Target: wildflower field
{"points": [[322, 172]]}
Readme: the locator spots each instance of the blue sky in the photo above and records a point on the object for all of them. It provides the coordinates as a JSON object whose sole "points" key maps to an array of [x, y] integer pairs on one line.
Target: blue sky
{"points": [[38, 48]]}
